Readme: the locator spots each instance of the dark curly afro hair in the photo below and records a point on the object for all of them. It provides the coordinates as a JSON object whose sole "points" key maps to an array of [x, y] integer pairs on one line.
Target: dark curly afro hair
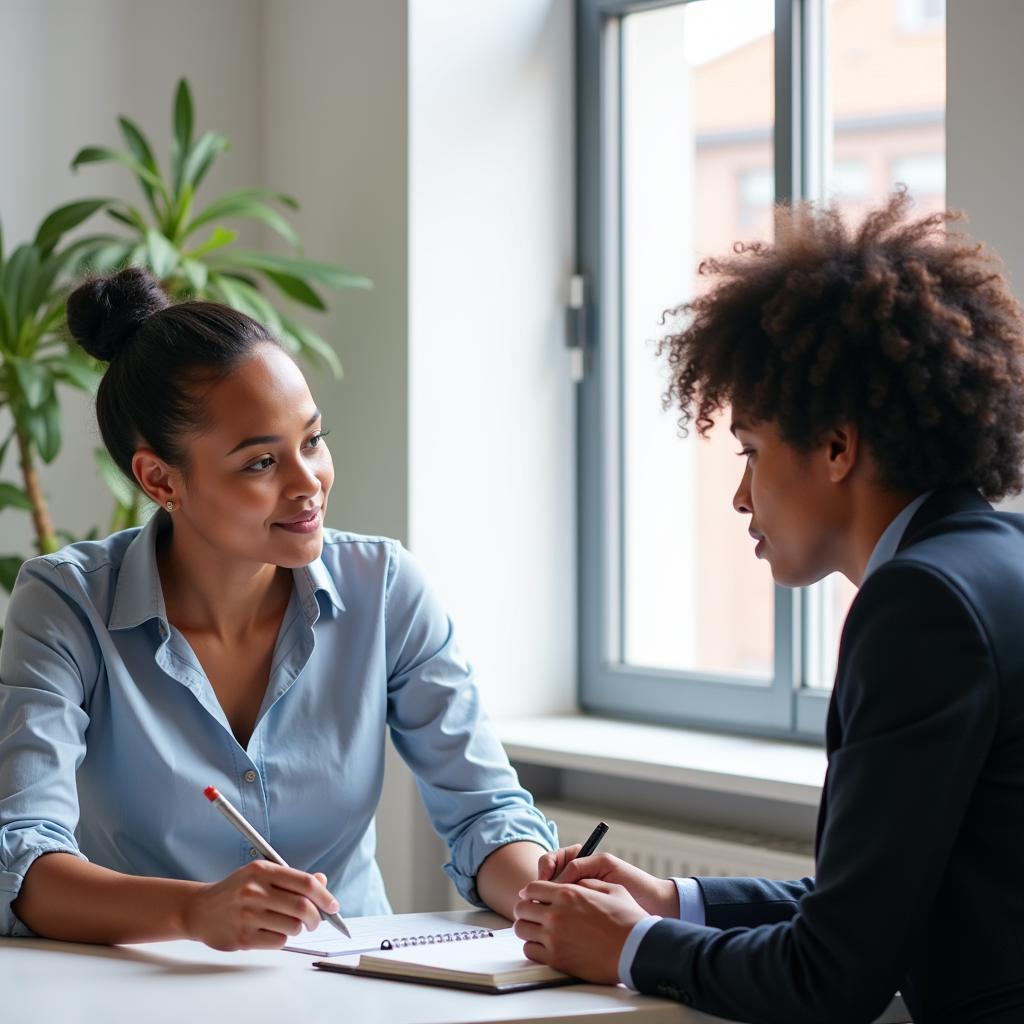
{"points": [[897, 326]]}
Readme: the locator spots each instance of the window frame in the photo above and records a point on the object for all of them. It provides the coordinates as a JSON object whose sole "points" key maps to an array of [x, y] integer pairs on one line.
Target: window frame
{"points": [[785, 706]]}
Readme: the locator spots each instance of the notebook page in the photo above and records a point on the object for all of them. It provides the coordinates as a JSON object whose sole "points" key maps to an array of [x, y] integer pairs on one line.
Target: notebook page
{"points": [[369, 932], [494, 961]]}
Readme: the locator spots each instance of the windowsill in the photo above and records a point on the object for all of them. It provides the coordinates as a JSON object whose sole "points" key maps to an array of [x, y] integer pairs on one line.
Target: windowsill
{"points": [[770, 769]]}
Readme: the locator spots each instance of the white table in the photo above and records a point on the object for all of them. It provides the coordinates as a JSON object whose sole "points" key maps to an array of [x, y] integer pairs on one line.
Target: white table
{"points": [[178, 982]]}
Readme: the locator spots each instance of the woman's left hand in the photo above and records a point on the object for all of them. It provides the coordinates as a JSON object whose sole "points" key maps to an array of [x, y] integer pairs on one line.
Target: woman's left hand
{"points": [[579, 929]]}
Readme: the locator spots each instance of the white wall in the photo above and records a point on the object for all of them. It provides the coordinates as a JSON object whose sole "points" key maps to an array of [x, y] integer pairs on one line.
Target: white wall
{"points": [[492, 435], [335, 125], [984, 139]]}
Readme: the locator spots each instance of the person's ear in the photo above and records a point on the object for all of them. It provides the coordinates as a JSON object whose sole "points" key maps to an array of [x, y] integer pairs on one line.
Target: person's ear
{"points": [[842, 445], [160, 482]]}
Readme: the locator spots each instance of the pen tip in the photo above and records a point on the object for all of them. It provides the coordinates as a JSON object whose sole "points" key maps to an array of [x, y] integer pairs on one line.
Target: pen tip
{"points": [[211, 793]]}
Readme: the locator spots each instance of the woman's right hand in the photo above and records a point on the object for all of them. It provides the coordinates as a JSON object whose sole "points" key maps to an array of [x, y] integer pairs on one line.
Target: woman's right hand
{"points": [[656, 895], [256, 907]]}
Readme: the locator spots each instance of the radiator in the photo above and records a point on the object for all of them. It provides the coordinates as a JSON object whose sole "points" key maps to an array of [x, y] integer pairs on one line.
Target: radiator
{"points": [[668, 850], [680, 851]]}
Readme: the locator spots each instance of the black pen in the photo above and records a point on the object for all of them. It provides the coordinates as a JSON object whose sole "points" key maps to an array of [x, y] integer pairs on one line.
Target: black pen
{"points": [[595, 837], [590, 845]]}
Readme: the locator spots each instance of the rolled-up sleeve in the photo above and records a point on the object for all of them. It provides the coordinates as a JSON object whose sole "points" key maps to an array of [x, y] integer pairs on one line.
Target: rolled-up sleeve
{"points": [[470, 790], [46, 654]]}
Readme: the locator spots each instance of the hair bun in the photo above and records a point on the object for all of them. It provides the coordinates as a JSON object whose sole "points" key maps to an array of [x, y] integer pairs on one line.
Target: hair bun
{"points": [[105, 312]]}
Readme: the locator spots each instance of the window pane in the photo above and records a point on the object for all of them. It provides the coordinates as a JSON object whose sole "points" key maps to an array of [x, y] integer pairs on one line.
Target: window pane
{"points": [[697, 173], [888, 90], [888, 87]]}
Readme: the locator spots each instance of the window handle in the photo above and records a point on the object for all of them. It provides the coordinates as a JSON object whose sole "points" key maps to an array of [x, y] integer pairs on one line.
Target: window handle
{"points": [[576, 332]]}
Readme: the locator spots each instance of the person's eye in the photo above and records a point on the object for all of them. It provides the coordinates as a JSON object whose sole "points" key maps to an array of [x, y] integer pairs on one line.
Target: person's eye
{"points": [[745, 453], [260, 465], [317, 438]]}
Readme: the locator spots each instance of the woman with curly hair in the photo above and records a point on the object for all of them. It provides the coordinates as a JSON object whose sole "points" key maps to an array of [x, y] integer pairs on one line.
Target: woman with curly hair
{"points": [[876, 382]]}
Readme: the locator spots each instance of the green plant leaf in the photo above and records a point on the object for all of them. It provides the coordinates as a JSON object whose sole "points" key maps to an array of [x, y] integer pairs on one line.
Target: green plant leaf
{"points": [[101, 154], [326, 273], [207, 148], [45, 429], [137, 256], [138, 144], [41, 291], [34, 380], [247, 299], [63, 219], [9, 568], [252, 209], [12, 496], [21, 268], [219, 238], [296, 288], [130, 215], [119, 487], [179, 216], [162, 256], [5, 446], [140, 148], [227, 204], [313, 344], [76, 369], [106, 258], [8, 329], [196, 274], [182, 130]]}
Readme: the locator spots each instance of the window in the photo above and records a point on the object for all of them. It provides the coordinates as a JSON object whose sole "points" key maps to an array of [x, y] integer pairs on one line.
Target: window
{"points": [[694, 116], [924, 174], [757, 193], [921, 15]]}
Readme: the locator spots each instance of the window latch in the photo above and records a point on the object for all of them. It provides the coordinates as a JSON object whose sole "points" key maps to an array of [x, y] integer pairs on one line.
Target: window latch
{"points": [[576, 332]]}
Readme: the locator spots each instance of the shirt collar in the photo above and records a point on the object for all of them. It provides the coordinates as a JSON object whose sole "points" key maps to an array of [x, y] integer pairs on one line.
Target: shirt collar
{"points": [[889, 542], [138, 596], [316, 577]]}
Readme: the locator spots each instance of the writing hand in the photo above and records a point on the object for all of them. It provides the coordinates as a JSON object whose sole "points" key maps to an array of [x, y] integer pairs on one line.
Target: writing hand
{"points": [[656, 895], [257, 907]]}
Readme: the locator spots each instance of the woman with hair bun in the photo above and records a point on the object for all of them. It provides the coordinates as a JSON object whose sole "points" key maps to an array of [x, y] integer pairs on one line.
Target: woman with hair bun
{"points": [[231, 641]]}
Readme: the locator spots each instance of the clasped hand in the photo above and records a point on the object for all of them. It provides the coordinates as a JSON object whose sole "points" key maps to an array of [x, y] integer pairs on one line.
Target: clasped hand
{"points": [[577, 915]]}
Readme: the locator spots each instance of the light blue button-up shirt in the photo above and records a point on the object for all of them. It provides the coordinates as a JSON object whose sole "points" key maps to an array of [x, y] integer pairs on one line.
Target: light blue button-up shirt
{"points": [[110, 730], [691, 899]]}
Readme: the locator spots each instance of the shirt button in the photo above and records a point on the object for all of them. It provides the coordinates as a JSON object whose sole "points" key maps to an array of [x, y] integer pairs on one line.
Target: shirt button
{"points": [[250, 776], [253, 853]]}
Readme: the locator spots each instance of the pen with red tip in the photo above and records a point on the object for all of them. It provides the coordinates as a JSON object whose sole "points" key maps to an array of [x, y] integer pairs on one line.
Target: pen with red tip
{"points": [[224, 805]]}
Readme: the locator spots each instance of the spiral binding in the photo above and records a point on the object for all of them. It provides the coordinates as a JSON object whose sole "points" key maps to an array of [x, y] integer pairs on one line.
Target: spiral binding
{"points": [[431, 940]]}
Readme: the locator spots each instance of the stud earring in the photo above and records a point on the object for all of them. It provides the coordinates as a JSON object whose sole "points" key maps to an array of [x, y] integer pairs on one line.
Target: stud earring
{"points": [[169, 505]]}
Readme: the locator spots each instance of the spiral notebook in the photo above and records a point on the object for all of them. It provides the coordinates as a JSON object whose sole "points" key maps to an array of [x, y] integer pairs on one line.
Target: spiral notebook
{"points": [[492, 962], [386, 932]]}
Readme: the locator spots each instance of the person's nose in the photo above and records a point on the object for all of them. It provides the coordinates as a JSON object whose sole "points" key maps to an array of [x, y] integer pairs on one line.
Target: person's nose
{"points": [[303, 481], [741, 499]]}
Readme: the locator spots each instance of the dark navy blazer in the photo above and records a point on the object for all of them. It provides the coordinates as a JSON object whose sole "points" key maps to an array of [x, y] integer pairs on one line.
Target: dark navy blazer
{"points": [[919, 880]]}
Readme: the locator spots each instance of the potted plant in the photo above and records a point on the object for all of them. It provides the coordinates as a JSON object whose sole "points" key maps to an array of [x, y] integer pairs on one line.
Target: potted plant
{"points": [[192, 249], [36, 357], [190, 246]]}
